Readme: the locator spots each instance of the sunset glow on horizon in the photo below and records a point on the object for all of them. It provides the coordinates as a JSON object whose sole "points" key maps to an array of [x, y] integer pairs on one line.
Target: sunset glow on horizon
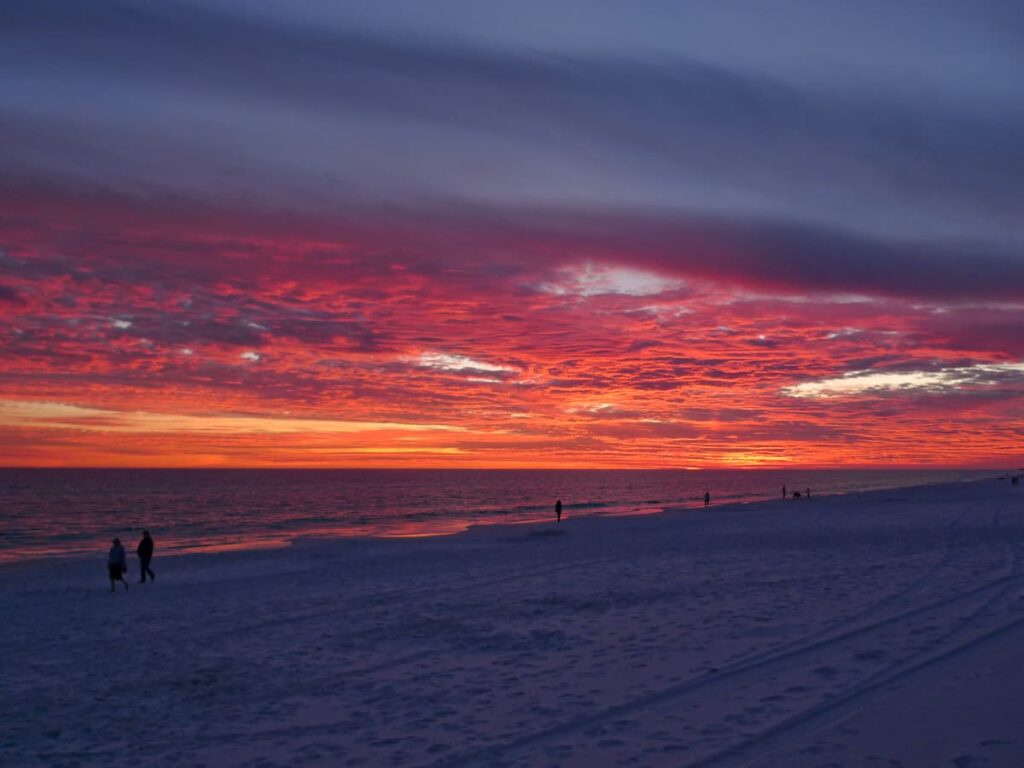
{"points": [[237, 239]]}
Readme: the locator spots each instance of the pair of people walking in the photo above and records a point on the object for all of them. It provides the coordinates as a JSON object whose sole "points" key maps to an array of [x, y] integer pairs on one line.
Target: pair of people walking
{"points": [[117, 561]]}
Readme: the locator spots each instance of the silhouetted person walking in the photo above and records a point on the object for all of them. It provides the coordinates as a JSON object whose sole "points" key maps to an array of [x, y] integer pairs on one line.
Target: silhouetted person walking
{"points": [[707, 499], [808, 493], [558, 511], [117, 564], [145, 553], [783, 491]]}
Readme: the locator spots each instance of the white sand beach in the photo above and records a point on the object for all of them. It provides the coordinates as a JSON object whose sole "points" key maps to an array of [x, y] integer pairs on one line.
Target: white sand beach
{"points": [[879, 629]]}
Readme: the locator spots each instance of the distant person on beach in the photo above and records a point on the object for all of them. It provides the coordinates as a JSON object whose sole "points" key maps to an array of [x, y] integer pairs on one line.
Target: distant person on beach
{"points": [[117, 564], [783, 491], [145, 553], [707, 499], [558, 511], [808, 493]]}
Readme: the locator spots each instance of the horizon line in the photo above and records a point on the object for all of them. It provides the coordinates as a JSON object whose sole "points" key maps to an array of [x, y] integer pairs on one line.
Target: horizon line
{"points": [[838, 467]]}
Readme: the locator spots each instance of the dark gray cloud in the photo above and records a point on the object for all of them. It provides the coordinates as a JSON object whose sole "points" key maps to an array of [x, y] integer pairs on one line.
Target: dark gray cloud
{"points": [[796, 165], [9, 295], [786, 255], [246, 322]]}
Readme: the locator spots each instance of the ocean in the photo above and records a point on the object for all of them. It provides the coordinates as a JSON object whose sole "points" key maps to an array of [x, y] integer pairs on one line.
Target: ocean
{"points": [[51, 512]]}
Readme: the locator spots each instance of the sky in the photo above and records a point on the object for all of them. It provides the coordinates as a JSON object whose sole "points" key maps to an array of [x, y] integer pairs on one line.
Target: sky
{"points": [[532, 234]]}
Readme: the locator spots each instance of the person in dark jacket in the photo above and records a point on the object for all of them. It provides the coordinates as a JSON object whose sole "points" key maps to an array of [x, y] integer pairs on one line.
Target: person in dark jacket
{"points": [[145, 553], [117, 564]]}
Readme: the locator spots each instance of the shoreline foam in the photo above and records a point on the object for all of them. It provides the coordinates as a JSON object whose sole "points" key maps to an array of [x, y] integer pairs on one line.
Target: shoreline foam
{"points": [[341, 532]]}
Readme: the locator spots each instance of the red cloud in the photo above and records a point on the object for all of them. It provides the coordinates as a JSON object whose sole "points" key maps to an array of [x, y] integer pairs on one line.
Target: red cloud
{"points": [[149, 311]]}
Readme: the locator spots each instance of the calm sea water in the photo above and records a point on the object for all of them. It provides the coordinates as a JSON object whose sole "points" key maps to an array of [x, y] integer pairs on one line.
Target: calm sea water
{"points": [[63, 512]]}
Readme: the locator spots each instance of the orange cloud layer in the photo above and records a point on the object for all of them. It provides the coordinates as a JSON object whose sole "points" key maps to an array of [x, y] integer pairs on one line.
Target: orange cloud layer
{"points": [[129, 339]]}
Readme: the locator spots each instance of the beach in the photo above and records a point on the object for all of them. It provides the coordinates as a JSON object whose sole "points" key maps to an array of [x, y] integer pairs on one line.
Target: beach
{"points": [[874, 629]]}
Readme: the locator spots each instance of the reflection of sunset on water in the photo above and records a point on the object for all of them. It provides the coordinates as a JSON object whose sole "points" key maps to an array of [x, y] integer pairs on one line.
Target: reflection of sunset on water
{"points": [[55, 512]]}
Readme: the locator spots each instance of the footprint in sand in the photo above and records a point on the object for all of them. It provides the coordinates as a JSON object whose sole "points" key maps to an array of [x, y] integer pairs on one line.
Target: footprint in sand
{"points": [[872, 655], [970, 761]]}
